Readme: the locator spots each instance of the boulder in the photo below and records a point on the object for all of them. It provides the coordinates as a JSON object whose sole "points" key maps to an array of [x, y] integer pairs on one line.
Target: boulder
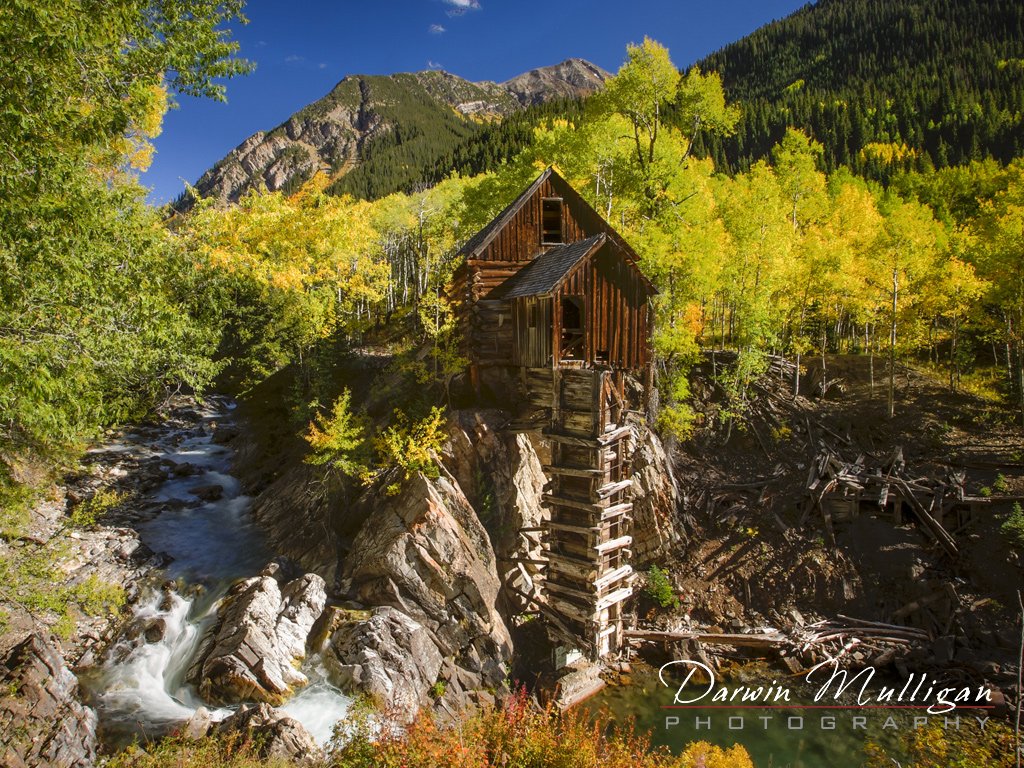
{"points": [[425, 553], [278, 737], [211, 492], [259, 636], [389, 657], [42, 722]]}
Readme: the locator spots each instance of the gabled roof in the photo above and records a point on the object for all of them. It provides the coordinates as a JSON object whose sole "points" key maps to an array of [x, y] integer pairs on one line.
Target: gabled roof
{"points": [[545, 273], [479, 241]]}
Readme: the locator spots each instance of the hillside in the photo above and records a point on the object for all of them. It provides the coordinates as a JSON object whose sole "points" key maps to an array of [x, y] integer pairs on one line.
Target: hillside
{"points": [[944, 77], [399, 125]]}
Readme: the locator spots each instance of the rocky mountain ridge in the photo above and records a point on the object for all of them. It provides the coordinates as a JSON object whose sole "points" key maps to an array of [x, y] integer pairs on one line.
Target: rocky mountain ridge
{"points": [[429, 107]]}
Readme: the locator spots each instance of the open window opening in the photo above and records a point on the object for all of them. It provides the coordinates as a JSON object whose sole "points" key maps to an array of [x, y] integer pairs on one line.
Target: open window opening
{"points": [[551, 221], [572, 327]]}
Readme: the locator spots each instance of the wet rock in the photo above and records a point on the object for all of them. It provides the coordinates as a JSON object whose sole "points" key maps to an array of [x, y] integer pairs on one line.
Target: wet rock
{"points": [[185, 469], [388, 656], [199, 725], [155, 630], [41, 720], [260, 635], [225, 433], [210, 492], [278, 736]]}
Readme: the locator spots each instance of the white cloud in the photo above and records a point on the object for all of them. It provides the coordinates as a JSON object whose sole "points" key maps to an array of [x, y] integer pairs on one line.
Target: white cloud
{"points": [[294, 59], [437, 29], [322, 65], [459, 7], [434, 65]]}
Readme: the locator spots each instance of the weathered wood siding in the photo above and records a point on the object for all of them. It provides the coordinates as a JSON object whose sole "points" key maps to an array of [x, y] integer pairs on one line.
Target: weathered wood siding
{"points": [[616, 297], [531, 320]]}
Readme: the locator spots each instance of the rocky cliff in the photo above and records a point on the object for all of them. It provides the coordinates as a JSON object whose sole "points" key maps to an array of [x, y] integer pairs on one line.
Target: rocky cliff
{"points": [[332, 133], [433, 570]]}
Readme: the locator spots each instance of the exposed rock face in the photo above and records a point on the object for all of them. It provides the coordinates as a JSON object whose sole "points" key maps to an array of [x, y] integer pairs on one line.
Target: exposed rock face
{"points": [[330, 133], [278, 736], [503, 476], [261, 631], [424, 553], [656, 522], [41, 719], [571, 78], [389, 656]]}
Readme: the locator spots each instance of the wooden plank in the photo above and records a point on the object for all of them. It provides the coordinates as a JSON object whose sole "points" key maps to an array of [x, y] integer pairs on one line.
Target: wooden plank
{"points": [[573, 471], [611, 546], [763, 640], [615, 597], [620, 573], [612, 488]]}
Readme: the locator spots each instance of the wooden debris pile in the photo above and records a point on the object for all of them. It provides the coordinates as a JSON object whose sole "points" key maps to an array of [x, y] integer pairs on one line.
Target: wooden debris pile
{"points": [[837, 489], [825, 640]]}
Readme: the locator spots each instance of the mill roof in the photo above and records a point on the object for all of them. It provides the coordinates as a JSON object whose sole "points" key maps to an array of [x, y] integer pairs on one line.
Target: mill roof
{"points": [[546, 272]]}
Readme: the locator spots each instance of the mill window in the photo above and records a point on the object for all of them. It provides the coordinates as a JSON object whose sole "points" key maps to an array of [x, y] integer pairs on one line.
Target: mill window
{"points": [[551, 221]]}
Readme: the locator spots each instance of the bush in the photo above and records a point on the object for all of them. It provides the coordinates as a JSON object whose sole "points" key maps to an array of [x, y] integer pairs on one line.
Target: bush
{"points": [[1013, 527], [659, 588], [86, 513], [1000, 485], [516, 736], [413, 445], [338, 440], [935, 747]]}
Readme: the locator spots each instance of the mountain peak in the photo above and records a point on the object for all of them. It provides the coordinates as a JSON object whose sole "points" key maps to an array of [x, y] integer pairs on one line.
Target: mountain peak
{"points": [[571, 78], [334, 133]]}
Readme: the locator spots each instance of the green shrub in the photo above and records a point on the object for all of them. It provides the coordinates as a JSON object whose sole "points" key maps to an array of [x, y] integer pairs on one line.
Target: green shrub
{"points": [[1000, 485], [1013, 527], [413, 445], [338, 440], [86, 513], [659, 588]]}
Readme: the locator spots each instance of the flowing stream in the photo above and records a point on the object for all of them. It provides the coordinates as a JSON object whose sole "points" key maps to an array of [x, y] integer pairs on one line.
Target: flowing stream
{"points": [[141, 690]]}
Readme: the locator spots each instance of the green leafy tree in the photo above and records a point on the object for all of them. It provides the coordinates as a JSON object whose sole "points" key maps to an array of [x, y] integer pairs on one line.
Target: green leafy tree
{"points": [[339, 439]]}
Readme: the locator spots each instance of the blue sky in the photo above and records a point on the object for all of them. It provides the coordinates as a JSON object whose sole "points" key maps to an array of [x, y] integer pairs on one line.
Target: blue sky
{"points": [[303, 47]]}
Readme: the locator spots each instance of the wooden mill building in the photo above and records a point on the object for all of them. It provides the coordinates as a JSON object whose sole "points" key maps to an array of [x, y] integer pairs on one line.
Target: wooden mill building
{"points": [[551, 297]]}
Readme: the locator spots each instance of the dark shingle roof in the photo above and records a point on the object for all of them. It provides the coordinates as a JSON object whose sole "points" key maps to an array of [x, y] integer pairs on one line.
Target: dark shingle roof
{"points": [[477, 242], [545, 272]]}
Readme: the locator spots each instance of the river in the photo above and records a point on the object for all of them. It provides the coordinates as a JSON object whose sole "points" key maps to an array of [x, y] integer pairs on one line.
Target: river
{"points": [[795, 737], [140, 690]]}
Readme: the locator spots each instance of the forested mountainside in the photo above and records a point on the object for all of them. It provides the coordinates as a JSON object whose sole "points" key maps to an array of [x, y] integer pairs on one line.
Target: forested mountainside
{"points": [[883, 86], [376, 134], [910, 83]]}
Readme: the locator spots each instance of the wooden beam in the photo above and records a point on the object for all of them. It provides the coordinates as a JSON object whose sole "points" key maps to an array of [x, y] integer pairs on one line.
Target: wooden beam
{"points": [[615, 597], [612, 488], [765, 640], [573, 471], [623, 572], [611, 546]]}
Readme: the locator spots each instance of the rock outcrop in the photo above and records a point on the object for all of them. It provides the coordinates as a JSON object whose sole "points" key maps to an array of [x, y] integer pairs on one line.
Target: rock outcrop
{"points": [[390, 657], [43, 722], [657, 528], [425, 554], [502, 475], [278, 736], [260, 634], [572, 78]]}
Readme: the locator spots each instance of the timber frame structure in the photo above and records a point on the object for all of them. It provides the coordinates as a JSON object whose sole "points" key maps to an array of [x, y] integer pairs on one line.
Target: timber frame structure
{"points": [[550, 298]]}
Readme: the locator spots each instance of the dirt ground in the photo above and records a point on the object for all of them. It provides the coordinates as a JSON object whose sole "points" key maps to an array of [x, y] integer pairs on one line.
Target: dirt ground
{"points": [[750, 562]]}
